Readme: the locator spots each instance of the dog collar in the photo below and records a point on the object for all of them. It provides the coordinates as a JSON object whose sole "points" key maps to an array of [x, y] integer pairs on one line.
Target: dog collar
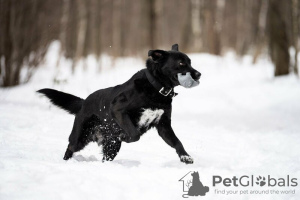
{"points": [[165, 91]]}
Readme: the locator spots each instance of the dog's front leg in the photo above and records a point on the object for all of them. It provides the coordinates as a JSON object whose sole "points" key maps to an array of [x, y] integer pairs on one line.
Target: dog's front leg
{"points": [[131, 133], [166, 132], [119, 108]]}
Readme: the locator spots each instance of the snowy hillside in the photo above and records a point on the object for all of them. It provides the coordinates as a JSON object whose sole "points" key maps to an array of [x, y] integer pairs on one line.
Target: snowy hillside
{"points": [[238, 121]]}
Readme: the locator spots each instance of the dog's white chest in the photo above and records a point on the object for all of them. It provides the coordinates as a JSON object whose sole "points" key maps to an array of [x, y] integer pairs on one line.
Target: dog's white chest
{"points": [[148, 116]]}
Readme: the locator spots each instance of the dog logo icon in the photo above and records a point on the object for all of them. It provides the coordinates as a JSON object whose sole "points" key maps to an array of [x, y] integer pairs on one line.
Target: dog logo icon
{"points": [[192, 185]]}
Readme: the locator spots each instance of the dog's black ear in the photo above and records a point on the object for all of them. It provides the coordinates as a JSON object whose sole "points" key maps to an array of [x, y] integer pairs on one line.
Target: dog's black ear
{"points": [[156, 54], [175, 47]]}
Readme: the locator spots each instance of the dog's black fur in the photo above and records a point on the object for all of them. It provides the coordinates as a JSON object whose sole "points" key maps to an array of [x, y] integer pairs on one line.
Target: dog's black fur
{"points": [[112, 115]]}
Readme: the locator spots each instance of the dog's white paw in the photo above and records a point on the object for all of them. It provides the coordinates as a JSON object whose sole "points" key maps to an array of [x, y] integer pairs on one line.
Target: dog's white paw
{"points": [[187, 159]]}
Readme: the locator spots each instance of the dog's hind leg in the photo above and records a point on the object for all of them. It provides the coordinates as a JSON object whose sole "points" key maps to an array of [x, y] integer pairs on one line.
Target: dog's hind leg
{"points": [[75, 143], [74, 148], [111, 146]]}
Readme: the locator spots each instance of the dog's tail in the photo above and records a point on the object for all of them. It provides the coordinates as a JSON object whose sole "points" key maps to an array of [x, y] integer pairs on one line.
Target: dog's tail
{"points": [[68, 102]]}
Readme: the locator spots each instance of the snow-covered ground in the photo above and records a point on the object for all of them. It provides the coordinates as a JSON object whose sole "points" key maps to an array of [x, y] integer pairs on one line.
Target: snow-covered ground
{"points": [[238, 121]]}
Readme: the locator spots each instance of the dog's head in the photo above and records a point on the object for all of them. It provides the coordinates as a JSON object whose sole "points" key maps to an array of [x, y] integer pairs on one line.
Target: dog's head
{"points": [[172, 68], [195, 175]]}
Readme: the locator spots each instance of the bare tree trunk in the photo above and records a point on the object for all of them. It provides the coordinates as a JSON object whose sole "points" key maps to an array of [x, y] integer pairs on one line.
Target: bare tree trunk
{"points": [[81, 37], [240, 32], [6, 42], [116, 28], [261, 37], [229, 30], [295, 19], [186, 38], [63, 29], [153, 25], [196, 25], [160, 25], [156, 23], [278, 39], [98, 35], [145, 25], [15, 63], [210, 31]]}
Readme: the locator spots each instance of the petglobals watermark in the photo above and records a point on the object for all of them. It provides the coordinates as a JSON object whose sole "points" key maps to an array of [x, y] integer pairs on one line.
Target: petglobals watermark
{"points": [[193, 185], [248, 184], [246, 181]]}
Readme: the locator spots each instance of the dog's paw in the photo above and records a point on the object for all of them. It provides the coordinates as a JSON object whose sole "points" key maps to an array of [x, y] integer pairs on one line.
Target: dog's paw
{"points": [[68, 154], [186, 159]]}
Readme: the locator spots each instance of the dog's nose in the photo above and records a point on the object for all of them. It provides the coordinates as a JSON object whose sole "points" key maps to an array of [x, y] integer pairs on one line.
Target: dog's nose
{"points": [[197, 75]]}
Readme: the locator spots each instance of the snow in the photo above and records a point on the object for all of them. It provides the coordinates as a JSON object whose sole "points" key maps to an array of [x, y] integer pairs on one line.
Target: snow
{"points": [[238, 121]]}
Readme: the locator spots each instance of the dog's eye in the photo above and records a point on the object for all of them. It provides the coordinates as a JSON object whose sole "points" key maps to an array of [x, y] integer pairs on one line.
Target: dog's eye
{"points": [[182, 64]]}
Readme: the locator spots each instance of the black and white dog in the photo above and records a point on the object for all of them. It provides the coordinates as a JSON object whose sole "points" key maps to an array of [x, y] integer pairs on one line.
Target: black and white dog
{"points": [[125, 112]]}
